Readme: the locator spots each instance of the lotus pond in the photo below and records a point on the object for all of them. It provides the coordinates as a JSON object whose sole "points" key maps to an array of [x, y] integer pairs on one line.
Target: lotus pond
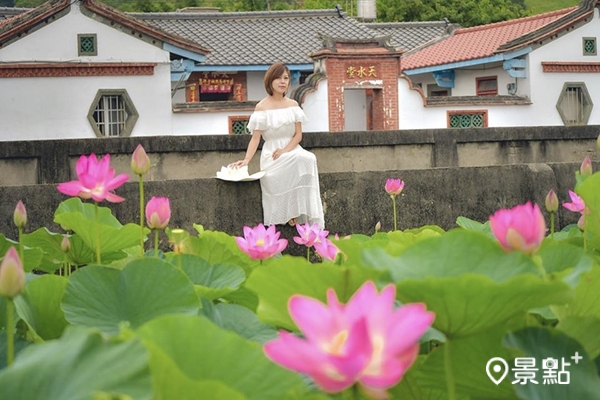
{"points": [[499, 309]]}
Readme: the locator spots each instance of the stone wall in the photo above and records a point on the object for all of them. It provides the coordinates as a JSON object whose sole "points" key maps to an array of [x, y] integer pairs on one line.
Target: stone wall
{"points": [[193, 157], [354, 201]]}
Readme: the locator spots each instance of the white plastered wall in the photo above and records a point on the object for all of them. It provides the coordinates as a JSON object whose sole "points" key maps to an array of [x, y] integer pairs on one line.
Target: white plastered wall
{"points": [[57, 107]]}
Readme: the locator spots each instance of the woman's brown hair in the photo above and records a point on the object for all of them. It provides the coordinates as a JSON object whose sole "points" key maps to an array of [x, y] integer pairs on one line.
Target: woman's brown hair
{"points": [[275, 71]]}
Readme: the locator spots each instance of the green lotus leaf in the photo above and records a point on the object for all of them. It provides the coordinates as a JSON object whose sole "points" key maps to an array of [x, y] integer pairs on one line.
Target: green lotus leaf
{"points": [[541, 343], [276, 281], [456, 253], [39, 306], [20, 344], [564, 261], [210, 281], [103, 297], [585, 331], [467, 357], [474, 303], [472, 225], [238, 319], [77, 366], [33, 256], [79, 217], [215, 356], [219, 248], [243, 297], [589, 192], [87, 211], [586, 299]]}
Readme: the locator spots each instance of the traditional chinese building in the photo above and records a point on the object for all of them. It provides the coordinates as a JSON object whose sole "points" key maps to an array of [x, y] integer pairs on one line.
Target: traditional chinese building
{"points": [[83, 69]]}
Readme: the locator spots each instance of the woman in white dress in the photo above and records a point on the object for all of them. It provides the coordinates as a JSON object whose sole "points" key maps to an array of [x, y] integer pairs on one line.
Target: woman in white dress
{"points": [[290, 186]]}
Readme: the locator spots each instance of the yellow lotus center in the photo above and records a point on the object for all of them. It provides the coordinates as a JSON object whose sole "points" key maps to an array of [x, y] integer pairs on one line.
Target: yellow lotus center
{"points": [[260, 242], [374, 367], [336, 345]]}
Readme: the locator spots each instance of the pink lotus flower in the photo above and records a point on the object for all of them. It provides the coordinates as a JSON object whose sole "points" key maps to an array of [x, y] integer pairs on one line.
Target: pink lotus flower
{"points": [[158, 212], [586, 167], [326, 249], [366, 341], [551, 201], [309, 234], [394, 186], [96, 180], [521, 228], [140, 162], [20, 215], [12, 275], [577, 204], [261, 243]]}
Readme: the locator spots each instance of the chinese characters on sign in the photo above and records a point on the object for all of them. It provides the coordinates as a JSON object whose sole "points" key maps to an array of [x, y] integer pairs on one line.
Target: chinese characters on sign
{"points": [[361, 71], [212, 82], [525, 370]]}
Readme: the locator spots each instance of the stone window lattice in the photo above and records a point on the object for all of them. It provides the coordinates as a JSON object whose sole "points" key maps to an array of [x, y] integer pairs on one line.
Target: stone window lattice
{"points": [[87, 45], [238, 125], [467, 119], [589, 46]]}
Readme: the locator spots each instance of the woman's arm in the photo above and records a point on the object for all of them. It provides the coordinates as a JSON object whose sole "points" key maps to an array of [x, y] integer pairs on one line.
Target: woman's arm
{"points": [[296, 139], [252, 146]]}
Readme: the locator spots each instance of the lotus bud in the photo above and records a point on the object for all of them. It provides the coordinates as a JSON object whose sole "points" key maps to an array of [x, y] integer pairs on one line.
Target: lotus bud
{"points": [[158, 212], [12, 275], [551, 201], [521, 228], [377, 226], [586, 167], [65, 245], [140, 162], [581, 222], [20, 215]]}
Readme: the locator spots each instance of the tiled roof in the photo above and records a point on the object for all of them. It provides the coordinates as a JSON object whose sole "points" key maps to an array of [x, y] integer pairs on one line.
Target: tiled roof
{"points": [[9, 12], [409, 35], [259, 38], [479, 41]]}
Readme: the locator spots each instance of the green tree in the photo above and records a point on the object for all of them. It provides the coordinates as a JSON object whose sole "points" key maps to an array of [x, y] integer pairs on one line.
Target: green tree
{"points": [[464, 12]]}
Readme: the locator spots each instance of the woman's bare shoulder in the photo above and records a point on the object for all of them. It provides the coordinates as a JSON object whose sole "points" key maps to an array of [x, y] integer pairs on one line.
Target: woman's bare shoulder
{"points": [[292, 103], [263, 105]]}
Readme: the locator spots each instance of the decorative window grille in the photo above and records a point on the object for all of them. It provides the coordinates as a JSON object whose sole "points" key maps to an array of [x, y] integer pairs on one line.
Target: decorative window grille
{"points": [[467, 119], [238, 125], [487, 86], [589, 46], [112, 113], [87, 45], [574, 104]]}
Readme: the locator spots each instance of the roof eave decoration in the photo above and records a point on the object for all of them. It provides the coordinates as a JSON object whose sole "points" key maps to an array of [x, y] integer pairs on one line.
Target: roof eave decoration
{"points": [[579, 16], [376, 46], [92, 7], [25, 23], [467, 63]]}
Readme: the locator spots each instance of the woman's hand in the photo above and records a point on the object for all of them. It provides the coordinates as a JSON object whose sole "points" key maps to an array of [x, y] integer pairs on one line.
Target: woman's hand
{"points": [[238, 164], [277, 153]]}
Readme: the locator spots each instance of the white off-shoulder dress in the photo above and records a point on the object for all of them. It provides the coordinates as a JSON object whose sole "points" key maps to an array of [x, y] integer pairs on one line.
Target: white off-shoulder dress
{"points": [[290, 186]]}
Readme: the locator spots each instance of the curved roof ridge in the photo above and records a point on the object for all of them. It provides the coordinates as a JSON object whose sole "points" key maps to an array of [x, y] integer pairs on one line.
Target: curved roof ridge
{"points": [[407, 23], [239, 14], [549, 14]]}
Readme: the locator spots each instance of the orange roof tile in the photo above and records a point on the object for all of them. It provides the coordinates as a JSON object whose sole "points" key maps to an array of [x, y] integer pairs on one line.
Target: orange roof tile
{"points": [[478, 41]]}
